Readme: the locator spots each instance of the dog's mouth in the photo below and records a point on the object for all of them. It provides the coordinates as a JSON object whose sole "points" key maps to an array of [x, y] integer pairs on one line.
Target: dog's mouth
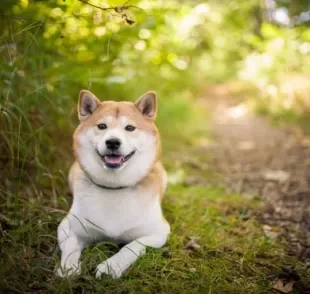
{"points": [[115, 160]]}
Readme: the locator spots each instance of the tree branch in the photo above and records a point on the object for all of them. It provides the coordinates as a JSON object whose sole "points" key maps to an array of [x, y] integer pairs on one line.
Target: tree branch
{"points": [[118, 9]]}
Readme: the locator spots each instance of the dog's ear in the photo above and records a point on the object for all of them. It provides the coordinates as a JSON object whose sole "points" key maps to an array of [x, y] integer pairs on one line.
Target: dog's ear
{"points": [[147, 104], [88, 103]]}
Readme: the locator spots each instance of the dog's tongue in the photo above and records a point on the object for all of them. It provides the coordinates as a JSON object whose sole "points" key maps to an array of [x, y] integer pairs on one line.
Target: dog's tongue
{"points": [[114, 159]]}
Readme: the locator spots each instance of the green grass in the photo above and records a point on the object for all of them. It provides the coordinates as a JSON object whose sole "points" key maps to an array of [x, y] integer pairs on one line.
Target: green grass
{"points": [[234, 254]]}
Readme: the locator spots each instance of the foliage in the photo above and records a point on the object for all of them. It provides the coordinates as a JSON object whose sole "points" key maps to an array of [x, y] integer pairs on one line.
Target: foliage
{"points": [[51, 50], [279, 69]]}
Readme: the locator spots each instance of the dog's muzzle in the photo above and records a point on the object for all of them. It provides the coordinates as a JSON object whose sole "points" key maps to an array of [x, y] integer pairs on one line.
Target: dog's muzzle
{"points": [[115, 160]]}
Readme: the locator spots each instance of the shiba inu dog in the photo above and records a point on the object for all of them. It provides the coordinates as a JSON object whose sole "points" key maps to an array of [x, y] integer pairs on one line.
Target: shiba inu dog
{"points": [[117, 182]]}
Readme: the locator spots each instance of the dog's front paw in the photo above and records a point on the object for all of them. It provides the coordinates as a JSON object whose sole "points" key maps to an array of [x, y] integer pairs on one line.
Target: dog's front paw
{"points": [[109, 267], [74, 270]]}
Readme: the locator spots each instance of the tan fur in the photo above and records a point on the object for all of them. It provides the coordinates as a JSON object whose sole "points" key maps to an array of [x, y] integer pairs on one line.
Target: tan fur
{"points": [[153, 180], [116, 109]]}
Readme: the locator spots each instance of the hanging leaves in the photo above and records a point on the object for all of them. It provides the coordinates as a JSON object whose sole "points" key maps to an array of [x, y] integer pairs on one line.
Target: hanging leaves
{"points": [[121, 10]]}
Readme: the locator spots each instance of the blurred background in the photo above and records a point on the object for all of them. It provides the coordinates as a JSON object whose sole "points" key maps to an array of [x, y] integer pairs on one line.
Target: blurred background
{"points": [[258, 50], [52, 49]]}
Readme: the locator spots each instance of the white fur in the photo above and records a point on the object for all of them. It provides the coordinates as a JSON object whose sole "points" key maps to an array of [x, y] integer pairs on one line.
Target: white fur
{"points": [[132, 216], [136, 168]]}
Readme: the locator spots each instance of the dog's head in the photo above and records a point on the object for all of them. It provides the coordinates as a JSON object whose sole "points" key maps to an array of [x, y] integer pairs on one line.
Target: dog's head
{"points": [[116, 143]]}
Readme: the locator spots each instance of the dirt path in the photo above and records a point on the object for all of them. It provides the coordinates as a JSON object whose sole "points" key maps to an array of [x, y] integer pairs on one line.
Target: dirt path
{"points": [[257, 159]]}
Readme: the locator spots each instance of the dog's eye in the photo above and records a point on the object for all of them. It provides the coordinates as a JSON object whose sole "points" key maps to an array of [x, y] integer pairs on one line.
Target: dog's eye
{"points": [[102, 126], [130, 128]]}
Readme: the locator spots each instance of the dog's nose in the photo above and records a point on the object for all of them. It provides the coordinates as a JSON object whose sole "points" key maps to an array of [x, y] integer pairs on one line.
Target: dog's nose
{"points": [[113, 144]]}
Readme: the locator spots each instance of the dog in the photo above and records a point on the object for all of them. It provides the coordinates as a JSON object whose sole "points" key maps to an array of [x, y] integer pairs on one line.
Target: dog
{"points": [[117, 182]]}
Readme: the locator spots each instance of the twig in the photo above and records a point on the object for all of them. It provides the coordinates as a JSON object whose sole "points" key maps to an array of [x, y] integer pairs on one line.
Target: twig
{"points": [[118, 9], [99, 7]]}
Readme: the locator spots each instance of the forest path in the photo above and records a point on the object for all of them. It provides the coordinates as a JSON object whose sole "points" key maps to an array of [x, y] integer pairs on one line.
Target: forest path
{"points": [[256, 159]]}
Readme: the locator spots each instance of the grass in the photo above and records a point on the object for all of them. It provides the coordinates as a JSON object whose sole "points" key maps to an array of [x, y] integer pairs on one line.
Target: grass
{"points": [[234, 254]]}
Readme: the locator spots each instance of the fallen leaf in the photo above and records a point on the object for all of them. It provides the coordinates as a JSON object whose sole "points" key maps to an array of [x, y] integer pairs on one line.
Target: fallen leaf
{"points": [[193, 243], [283, 288], [270, 232], [276, 175]]}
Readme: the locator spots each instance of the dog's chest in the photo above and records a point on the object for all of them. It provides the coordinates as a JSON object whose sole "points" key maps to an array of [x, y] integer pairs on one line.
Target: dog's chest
{"points": [[112, 213]]}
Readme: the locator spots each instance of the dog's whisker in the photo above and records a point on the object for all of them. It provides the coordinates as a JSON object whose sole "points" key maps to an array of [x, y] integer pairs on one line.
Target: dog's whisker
{"points": [[138, 149]]}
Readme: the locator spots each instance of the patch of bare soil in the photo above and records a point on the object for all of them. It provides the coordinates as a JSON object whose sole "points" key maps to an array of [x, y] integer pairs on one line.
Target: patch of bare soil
{"points": [[272, 163]]}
